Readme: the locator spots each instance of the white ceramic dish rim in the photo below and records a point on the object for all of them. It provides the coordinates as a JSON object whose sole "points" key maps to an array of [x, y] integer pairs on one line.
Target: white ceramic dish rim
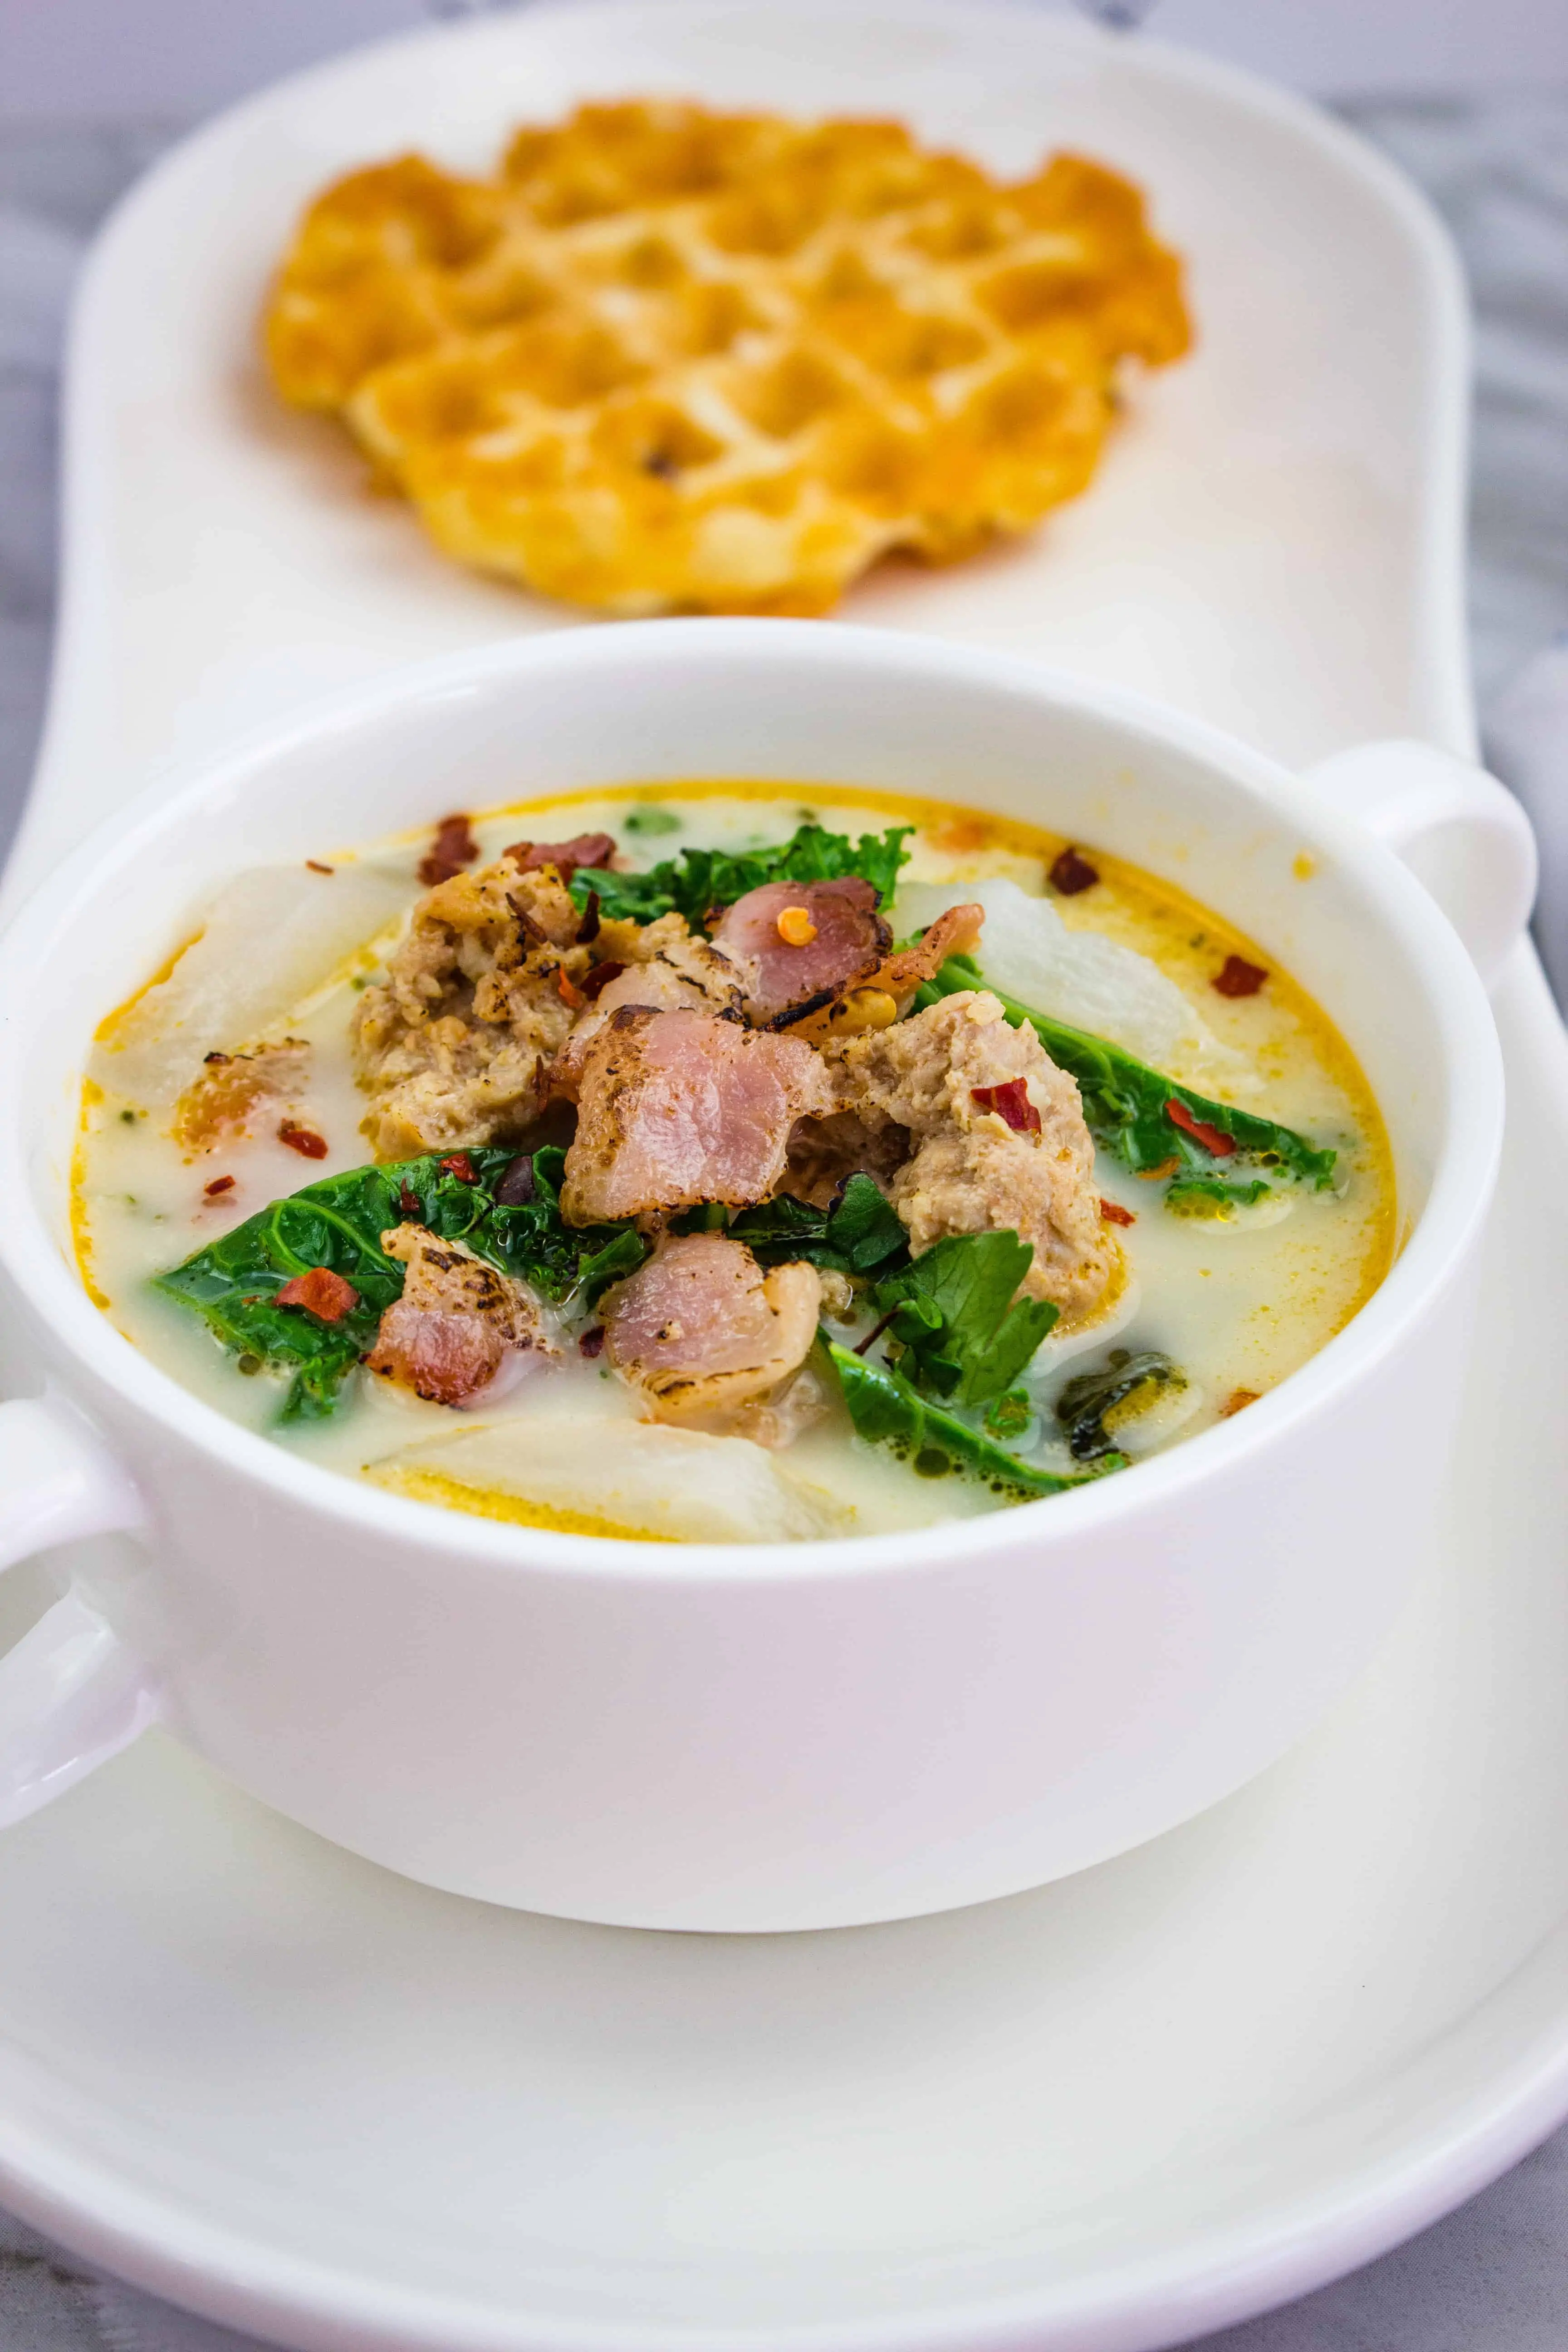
{"points": [[1457, 1202], [1444, 426]]}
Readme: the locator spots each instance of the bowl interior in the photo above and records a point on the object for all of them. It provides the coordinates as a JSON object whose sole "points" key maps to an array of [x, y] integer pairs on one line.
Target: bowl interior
{"points": [[775, 701]]}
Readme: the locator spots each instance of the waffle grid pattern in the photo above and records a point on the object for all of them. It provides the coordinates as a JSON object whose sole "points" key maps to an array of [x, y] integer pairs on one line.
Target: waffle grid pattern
{"points": [[669, 360]]}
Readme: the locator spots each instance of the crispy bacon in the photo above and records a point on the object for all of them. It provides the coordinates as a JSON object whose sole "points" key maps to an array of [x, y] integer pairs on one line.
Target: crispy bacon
{"points": [[321, 1293], [594, 849], [1011, 1103], [848, 939], [1237, 977], [453, 847], [459, 1324], [1213, 1139], [956, 932], [676, 1108], [600, 977], [1069, 874]]}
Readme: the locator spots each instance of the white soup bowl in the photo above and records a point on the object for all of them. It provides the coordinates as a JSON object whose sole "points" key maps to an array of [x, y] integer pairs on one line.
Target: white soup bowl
{"points": [[769, 1736]]}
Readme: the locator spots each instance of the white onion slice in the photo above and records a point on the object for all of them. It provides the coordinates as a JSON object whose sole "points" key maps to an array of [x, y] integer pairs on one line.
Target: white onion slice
{"points": [[1079, 978], [636, 1477], [269, 938]]}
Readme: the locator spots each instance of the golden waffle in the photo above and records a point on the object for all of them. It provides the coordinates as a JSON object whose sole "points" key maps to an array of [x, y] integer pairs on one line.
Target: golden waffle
{"points": [[674, 359]]}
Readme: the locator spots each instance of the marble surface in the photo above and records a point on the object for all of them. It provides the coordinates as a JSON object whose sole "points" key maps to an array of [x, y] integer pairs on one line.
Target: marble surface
{"points": [[1494, 2276]]}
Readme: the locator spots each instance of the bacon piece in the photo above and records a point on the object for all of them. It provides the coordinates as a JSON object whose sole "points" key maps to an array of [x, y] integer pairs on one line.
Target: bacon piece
{"points": [[894, 982], [321, 1293], [704, 1336], [595, 982], [1213, 1139], [681, 1107], [1069, 874], [1011, 1103], [594, 849], [848, 939], [1237, 977], [453, 847], [459, 1324]]}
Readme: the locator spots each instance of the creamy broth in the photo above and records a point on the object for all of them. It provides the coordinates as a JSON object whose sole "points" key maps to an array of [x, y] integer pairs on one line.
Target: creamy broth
{"points": [[1236, 1300]]}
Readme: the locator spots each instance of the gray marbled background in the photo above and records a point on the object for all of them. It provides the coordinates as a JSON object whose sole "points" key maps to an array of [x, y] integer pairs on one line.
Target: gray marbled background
{"points": [[1493, 2277]]}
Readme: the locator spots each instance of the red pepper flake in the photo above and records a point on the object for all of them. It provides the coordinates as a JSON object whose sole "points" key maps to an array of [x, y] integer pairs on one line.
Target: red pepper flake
{"points": [[453, 848], [591, 1343], [1115, 1214], [321, 1293], [1011, 1103], [1071, 874], [1213, 1139], [457, 1163], [316, 866], [1238, 978], [219, 1185], [568, 990], [1237, 1401], [594, 849], [303, 1139], [600, 978], [409, 1203]]}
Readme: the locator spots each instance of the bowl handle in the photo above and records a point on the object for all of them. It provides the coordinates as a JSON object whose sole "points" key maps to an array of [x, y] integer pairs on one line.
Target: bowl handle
{"points": [[71, 1696], [1459, 830]]}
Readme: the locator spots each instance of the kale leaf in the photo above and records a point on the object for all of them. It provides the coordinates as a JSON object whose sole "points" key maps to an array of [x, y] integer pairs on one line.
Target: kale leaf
{"points": [[700, 880], [887, 1410], [1211, 1196], [1092, 1407], [858, 1234], [1127, 1104], [955, 1312], [509, 1213]]}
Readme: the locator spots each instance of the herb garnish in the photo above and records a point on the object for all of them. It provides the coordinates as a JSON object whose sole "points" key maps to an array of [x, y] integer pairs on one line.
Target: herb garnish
{"points": [[964, 1332], [859, 1233], [505, 1205], [887, 1410], [700, 880]]}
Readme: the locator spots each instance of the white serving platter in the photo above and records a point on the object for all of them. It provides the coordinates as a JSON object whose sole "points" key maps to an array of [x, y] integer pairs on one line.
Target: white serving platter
{"points": [[312, 2100]]}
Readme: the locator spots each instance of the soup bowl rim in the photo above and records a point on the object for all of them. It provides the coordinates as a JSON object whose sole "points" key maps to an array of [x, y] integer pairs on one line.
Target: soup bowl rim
{"points": [[1464, 1169]]}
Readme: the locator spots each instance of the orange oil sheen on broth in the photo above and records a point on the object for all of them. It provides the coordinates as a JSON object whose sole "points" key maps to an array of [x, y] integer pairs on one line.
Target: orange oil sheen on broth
{"points": [[1243, 1309]]}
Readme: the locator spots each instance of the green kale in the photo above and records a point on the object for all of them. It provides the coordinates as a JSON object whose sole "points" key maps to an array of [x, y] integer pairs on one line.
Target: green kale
{"points": [[1128, 1106], [505, 1205], [859, 1232], [885, 1409], [1211, 1196], [700, 879], [955, 1312], [1095, 1405], [1009, 1416]]}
